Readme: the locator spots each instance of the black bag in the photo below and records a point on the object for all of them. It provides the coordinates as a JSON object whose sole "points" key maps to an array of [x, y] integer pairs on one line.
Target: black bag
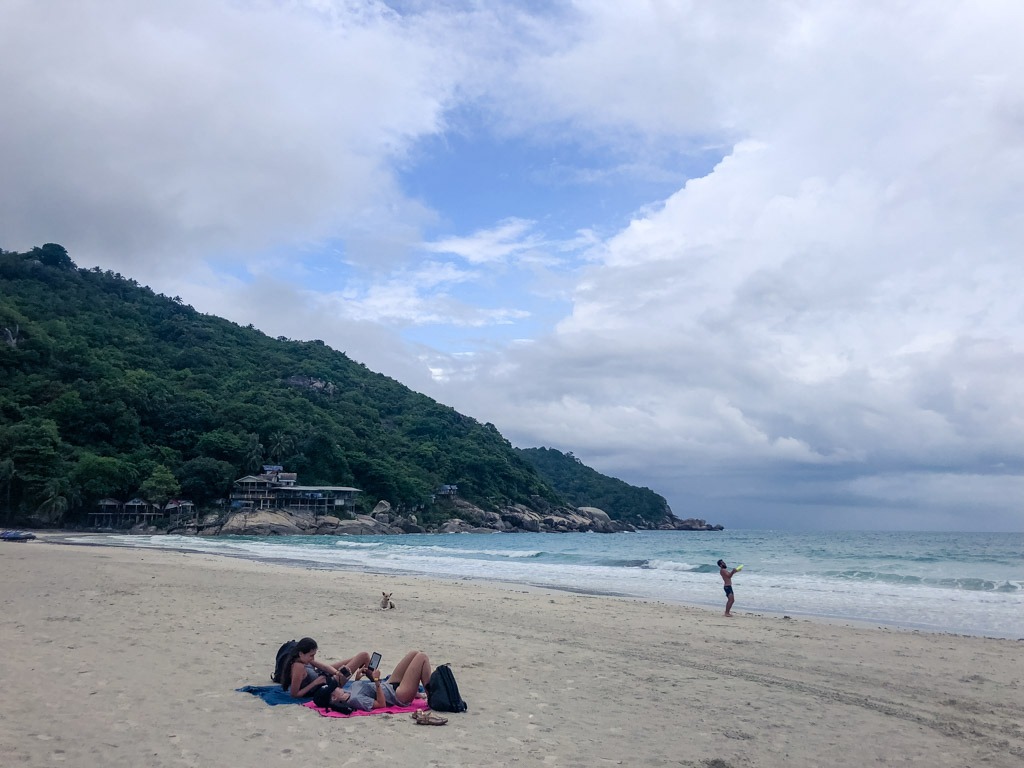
{"points": [[443, 691], [282, 658]]}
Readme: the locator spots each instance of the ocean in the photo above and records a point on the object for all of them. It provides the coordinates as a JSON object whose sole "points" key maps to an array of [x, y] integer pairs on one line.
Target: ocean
{"points": [[965, 583]]}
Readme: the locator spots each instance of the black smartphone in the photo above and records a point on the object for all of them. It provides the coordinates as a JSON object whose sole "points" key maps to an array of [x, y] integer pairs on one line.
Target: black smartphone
{"points": [[374, 661]]}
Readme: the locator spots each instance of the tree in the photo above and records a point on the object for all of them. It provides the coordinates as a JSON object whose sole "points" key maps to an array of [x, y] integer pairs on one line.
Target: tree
{"points": [[205, 479], [160, 487], [35, 450], [6, 479], [56, 498], [223, 444], [102, 476], [53, 255], [253, 453], [281, 443]]}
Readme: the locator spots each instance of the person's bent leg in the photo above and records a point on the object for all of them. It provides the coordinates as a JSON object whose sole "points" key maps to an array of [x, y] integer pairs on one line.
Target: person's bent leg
{"points": [[399, 672], [728, 605], [417, 672], [358, 661]]}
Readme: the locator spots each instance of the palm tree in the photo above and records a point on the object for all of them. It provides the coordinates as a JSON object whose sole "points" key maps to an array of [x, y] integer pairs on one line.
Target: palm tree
{"points": [[55, 499], [280, 444], [253, 453]]}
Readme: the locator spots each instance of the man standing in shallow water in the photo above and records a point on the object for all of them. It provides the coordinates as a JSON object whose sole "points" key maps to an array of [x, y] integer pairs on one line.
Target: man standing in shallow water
{"points": [[723, 569]]}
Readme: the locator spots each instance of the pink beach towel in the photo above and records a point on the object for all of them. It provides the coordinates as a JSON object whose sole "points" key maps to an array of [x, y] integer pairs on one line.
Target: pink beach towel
{"points": [[417, 704]]}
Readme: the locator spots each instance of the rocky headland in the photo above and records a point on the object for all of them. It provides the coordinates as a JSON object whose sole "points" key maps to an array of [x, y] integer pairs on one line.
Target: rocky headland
{"points": [[464, 518]]}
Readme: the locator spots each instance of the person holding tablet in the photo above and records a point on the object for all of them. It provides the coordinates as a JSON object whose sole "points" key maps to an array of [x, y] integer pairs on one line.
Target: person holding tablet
{"points": [[367, 692]]}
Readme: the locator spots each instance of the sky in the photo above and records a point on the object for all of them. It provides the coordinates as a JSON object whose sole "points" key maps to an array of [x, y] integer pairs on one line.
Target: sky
{"points": [[762, 258]]}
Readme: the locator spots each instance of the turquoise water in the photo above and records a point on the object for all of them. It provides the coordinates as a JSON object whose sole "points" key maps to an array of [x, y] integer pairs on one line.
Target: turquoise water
{"points": [[970, 583]]}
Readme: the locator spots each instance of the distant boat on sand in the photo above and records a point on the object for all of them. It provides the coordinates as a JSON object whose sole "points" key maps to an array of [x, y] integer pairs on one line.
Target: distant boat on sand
{"points": [[16, 536]]}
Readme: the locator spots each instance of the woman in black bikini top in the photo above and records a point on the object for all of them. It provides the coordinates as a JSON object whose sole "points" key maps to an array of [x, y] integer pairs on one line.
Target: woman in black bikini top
{"points": [[303, 674]]}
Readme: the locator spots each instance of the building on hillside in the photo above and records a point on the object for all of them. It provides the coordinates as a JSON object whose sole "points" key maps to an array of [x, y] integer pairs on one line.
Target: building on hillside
{"points": [[113, 514], [276, 474], [179, 507], [108, 515], [276, 489], [448, 490], [179, 510]]}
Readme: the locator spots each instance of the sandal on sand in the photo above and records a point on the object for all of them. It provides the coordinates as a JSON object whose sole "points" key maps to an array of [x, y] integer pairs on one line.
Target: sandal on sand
{"points": [[423, 717]]}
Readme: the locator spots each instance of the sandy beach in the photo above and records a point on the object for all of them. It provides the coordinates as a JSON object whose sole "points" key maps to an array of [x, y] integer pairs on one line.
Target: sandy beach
{"points": [[118, 657]]}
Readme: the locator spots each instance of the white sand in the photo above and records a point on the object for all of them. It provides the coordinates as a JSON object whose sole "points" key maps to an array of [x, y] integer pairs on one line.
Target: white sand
{"points": [[117, 657]]}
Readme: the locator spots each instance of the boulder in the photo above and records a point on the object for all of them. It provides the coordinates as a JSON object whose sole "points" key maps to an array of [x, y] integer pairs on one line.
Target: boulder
{"points": [[265, 522], [327, 525], [691, 524], [599, 519], [454, 525], [694, 524], [364, 525], [599, 516], [521, 517], [552, 523], [489, 519]]}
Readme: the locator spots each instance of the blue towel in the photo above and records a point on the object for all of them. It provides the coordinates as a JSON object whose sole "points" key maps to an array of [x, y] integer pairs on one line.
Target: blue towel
{"points": [[272, 694], [275, 694]]}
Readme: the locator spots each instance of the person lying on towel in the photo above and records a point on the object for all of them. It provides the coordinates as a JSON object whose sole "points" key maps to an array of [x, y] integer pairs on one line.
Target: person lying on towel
{"points": [[303, 674], [367, 692]]}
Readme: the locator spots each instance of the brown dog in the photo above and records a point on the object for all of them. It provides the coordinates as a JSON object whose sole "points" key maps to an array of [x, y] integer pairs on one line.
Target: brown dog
{"points": [[385, 601]]}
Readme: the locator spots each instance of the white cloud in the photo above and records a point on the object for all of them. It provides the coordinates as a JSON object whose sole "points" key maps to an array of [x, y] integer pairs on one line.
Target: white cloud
{"points": [[842, 289], [827, 320], [200, 127], [509, 238]]}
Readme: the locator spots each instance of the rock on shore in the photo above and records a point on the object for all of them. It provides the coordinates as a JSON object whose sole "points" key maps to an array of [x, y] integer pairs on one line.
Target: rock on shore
{"points": [[465, 518]]}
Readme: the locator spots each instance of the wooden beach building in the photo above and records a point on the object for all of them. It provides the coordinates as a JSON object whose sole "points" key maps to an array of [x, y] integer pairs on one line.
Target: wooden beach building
{"points": [[114, 514], [276, 489]]}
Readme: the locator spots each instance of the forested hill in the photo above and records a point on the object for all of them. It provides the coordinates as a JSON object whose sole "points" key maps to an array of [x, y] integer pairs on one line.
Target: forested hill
{"points": [[110, 390], [107, 388], [582, 486]]}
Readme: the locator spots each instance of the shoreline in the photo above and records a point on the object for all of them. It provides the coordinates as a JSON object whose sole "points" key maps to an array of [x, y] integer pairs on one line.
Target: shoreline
{"points": [[127, 657], [60, 537]]}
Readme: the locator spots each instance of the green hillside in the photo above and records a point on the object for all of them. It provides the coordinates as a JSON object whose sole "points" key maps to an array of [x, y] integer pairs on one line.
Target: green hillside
{"points": [[582, 486], [108, 389]]}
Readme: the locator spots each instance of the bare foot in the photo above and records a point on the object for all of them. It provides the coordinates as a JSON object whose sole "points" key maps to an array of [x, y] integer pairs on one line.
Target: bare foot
{"points": [[728, 615]]}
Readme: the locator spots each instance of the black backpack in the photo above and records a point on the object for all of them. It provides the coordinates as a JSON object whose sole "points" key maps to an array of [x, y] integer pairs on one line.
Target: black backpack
{"points": [[443, 691], [282, 658]]}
